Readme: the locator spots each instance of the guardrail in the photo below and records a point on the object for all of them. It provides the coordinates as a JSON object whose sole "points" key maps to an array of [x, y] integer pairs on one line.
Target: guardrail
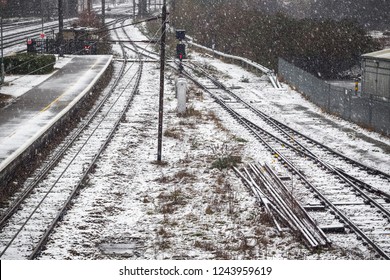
{"points": [[270, 73]]}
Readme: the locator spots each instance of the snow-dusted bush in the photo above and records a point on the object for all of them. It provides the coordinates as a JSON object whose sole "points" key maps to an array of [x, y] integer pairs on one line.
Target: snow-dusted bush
{"points": [[27, 63]]}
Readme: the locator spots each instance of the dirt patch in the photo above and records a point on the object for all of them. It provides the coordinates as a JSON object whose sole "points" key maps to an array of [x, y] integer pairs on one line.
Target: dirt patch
{"points": [[5, 100]]}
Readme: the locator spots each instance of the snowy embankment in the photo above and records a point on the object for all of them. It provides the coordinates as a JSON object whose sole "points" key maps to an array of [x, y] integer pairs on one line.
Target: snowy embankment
{"points": [[133, 207]]}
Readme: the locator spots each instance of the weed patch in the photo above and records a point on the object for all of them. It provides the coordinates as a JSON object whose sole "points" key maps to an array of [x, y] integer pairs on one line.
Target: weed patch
{"points": [[191, 112], [226, 162], [173, 133]]}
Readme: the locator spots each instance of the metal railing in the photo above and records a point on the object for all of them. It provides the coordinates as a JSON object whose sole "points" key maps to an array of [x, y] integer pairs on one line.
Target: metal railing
{"points": [[270, 73]]}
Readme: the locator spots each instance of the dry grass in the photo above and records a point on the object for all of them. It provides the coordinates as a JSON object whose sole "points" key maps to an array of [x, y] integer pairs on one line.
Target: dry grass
{"points": [[4, 99], [211, 116], [226, 162], [173, 133], [159, 162], [188, 123], [194, 92], [183, 174], [191, 112], [180, 176]]}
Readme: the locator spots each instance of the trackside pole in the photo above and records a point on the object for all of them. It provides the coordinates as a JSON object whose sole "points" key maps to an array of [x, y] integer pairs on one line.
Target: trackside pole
{"points": [[2, 74], [103, 12], [60, 27], [162, 68], [134, 10]]}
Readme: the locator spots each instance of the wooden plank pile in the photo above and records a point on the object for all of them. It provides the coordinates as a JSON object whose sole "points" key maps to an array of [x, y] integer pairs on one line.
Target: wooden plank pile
{"points": [[280, 205]]}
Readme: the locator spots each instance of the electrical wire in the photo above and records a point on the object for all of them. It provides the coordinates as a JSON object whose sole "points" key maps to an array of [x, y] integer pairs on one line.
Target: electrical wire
{"points": [[81, 50], [100, 30]]}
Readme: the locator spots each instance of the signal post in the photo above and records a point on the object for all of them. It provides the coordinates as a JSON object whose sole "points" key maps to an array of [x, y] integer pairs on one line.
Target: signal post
{"points": [[181, 83]]}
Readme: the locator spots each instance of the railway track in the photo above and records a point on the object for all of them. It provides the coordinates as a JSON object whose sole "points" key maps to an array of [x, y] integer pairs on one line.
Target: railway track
{"points": [[12, 25], [342, 191], [341, 194], [335, 191], [17, 34], [34, 213]]}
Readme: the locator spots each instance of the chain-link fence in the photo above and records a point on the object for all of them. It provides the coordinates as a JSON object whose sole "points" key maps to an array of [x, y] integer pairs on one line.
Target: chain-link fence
{"points": [[369, 112]]}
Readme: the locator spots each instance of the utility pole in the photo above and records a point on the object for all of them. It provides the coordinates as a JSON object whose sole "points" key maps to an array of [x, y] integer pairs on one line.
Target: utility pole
{"points": [[134, 10], [162, 69], [103, 12], [42, 20], [142, 7], [3, 3], [2, 46], [89, 6], [60, 26]]}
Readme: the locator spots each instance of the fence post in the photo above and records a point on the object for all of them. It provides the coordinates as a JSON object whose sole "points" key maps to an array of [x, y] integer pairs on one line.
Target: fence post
{"points": [[349, 105], [328, 92], [370, 104]]}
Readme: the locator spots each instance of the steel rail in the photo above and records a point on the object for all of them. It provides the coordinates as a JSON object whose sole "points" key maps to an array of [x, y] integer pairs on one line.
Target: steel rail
{"points": [[297, 204], [309, 236], [75, 190], [45, 237], [56, 157], [65, 146], [243, 122], [283, 127], [350, 180], [365, 186], [306, 151]]}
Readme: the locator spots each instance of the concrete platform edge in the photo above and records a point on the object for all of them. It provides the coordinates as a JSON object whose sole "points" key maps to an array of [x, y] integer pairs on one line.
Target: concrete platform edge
{"points": [[27, 150]]}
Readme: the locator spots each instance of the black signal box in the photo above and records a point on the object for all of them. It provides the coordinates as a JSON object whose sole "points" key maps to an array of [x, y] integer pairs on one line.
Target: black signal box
{"points": [[181, 51], [180, 34]]}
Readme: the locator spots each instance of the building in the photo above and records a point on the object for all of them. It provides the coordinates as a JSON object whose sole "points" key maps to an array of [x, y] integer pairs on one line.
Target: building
{"points": [[376, 74]]}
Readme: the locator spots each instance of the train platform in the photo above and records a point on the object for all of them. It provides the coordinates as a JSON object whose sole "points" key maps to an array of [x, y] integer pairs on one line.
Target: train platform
{"points": [[32, 114]]}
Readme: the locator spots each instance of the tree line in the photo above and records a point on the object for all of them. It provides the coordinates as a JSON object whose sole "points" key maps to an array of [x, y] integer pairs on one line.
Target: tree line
{"points": [[324, 47], [28, 8]]}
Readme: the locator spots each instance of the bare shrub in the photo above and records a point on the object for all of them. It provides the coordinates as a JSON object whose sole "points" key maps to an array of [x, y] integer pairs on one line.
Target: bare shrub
{"points": [[226, 157], [173, 133], [191, 112]]}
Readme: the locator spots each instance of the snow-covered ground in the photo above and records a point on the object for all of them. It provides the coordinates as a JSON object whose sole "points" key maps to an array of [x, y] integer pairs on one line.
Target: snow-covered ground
{"points": [[136, 208], [183, 208]]}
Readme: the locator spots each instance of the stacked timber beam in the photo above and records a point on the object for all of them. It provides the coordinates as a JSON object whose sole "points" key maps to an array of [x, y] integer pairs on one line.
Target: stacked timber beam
{"points": [[280, 204]]}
